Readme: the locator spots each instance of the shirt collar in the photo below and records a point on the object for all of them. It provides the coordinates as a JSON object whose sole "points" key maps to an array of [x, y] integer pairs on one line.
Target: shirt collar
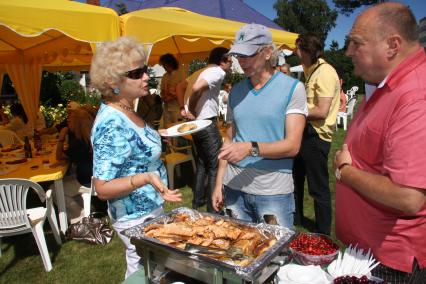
{"points": [[371, 88]]}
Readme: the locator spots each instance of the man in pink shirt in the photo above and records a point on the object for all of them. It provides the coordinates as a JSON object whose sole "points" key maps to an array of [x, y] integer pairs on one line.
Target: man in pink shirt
{"points": [[380, 170]]}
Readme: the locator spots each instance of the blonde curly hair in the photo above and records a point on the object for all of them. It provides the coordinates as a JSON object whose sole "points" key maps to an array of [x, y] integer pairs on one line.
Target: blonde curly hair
{"points": [[111, 60]]}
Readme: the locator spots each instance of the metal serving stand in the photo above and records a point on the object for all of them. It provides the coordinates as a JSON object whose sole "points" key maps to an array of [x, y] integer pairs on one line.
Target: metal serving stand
{"points": [[159, 258]]}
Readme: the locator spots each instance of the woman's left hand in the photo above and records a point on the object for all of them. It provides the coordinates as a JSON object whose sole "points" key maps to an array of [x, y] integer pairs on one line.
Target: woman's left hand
{"points": [[167, 194]]}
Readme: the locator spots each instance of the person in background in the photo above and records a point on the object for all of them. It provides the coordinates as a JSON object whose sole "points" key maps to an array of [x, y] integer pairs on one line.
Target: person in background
{"points": [[202, 89], [56, 128], [203, 104], [284, 68], [266, 116], [19, 122], [4, 119], [150, 108], [168, 84], [380, 169], [223, 100], [322, 91], [127, 168], [343, 99], [79, 153]]}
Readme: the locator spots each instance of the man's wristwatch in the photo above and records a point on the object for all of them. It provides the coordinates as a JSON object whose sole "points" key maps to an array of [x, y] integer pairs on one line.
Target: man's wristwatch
{"points": [[254, 151], [338, 172]]}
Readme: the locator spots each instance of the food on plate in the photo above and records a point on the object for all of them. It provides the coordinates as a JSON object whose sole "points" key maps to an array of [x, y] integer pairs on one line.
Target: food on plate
{"points": [[216, 234], [18, 161], [186, 127]]}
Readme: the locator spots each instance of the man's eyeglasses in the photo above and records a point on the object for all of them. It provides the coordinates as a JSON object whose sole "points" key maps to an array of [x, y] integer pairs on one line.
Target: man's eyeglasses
{"points": [[137, 73]]}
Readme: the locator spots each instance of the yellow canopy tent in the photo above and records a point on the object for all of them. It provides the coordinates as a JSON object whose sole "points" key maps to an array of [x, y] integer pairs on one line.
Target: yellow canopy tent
{"points": [[187, 34], [49, 34]]}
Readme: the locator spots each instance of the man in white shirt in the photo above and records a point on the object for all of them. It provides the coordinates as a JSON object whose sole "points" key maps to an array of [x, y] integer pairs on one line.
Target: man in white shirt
{"points": [[203, 103]]}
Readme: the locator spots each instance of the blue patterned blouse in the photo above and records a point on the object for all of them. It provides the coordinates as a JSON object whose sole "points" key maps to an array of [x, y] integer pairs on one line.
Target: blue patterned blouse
{"points": [[120, 149]]}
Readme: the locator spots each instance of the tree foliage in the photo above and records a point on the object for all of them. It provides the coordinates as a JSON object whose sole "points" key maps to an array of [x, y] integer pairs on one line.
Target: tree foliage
{"points": [[302, 16], [122, 8], [346, 7]]}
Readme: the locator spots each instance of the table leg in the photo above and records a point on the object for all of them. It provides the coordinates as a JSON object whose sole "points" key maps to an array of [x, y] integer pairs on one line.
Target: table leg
{"points": [[60, 200]]}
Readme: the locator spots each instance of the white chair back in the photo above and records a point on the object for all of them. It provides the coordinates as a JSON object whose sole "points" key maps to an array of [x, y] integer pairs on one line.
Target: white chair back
{"points": [[8, 137], [350, 107], [351, 94], [13, 206], [16, 219]]}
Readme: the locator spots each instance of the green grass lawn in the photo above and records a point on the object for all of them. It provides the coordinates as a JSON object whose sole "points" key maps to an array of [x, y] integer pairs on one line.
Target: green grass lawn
{"points": [[77, 262]]}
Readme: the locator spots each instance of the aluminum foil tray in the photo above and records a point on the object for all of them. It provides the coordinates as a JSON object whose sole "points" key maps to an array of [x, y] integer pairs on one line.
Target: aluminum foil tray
{"points": [[282, 234]]}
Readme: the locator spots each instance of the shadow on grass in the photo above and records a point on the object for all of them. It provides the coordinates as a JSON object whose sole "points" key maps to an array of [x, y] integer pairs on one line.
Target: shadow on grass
{"points": [[24, 246]]}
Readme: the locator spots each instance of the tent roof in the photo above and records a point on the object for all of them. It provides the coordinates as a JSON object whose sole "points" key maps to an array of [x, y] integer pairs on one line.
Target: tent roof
{"points": [[235, 10], [187, 34], [50, 29]]}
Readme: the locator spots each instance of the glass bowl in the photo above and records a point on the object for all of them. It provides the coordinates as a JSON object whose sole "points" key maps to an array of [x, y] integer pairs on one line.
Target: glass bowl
{"points": [[306, 249]]}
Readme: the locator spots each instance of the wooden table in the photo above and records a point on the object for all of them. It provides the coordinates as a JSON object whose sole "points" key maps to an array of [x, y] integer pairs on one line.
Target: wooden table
{"points": [[37, 171]]}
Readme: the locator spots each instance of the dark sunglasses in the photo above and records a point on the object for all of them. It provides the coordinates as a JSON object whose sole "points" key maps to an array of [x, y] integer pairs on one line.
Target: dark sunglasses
{"points": [[245, 56], [136, 73]]}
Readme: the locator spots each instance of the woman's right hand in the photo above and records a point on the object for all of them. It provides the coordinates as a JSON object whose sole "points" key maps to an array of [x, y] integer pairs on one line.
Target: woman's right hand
{"points": [[167, 194]]}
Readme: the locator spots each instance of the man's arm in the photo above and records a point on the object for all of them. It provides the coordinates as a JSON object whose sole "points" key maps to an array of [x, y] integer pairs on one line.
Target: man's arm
{"points": [[198, 88], [379, 188]]}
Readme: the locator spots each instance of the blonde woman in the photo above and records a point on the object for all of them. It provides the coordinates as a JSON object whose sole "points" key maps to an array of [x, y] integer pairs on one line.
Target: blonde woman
{"points": [[127, 168]]}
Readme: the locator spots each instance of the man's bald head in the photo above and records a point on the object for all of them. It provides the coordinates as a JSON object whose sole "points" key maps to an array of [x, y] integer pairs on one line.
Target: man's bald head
{"points": [[390, 18]]}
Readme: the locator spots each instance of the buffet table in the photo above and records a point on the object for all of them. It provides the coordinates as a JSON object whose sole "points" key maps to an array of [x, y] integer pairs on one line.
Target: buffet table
{"points": [[41, 168]]}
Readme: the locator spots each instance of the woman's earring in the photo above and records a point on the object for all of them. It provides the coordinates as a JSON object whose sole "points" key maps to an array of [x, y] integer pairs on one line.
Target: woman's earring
{"points": [[116, 91]]}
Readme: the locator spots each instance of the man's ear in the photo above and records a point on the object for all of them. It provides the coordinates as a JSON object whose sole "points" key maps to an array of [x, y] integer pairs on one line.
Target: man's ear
{"points": [[393, 45]]}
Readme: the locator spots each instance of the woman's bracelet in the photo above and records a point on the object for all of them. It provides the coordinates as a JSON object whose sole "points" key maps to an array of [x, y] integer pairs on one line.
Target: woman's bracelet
{"points": [[131, 182]]}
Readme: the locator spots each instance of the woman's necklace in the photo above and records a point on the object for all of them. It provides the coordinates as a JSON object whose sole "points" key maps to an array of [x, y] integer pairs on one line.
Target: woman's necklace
{"points": [[124, 107]]}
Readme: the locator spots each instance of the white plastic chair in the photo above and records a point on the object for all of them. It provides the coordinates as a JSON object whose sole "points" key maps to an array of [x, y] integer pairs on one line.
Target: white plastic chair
{"points": [[8, 137], [16, 219], [177, 155], [351, 94], [344, 115], [86, 195]]}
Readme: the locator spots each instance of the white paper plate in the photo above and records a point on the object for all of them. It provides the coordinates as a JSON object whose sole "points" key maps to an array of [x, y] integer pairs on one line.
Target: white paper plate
{"points": [[173, 131], [300, 274]]}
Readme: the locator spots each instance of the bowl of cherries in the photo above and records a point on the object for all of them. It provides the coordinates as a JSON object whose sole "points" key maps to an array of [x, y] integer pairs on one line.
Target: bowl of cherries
{"points": [[313, 249]]}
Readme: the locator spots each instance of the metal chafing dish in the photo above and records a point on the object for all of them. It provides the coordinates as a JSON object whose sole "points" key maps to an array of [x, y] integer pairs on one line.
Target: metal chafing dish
{"points": [[163, 257]]}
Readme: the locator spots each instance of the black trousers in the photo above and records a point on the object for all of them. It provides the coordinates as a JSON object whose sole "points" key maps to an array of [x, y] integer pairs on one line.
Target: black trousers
{"points": [[312, 163], [207, 144]]}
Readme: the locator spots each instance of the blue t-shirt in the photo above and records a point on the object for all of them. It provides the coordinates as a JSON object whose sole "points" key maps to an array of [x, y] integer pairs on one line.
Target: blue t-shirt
{"points": [[120, 149]]}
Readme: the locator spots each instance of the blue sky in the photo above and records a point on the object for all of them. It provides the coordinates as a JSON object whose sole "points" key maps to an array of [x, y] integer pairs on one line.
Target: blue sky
{"points": [[343, 23]]}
